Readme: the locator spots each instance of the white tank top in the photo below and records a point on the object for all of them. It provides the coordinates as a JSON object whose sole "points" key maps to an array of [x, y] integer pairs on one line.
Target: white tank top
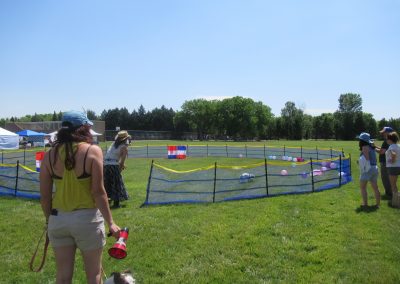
{"points": [[112, 155]]}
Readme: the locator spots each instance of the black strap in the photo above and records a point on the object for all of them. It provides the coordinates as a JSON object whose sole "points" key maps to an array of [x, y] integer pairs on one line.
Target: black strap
{"points": [[84, 162], [83, 175]]}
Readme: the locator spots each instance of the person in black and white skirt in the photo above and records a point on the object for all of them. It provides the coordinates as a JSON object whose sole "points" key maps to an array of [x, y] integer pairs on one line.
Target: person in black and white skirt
{"points": [[114, 164]]}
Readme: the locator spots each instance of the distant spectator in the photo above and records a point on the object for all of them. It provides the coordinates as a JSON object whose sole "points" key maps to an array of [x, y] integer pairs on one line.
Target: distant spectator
{"points": [[382, 161], [114, 164], [368, 151], [393, 160]]}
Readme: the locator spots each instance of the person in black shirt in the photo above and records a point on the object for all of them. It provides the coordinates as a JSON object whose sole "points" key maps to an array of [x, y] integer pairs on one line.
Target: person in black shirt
{"points": [[382, 161]]}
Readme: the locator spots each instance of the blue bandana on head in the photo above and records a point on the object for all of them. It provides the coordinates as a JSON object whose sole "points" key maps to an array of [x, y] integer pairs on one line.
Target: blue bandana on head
{"points": [[76, 118]]}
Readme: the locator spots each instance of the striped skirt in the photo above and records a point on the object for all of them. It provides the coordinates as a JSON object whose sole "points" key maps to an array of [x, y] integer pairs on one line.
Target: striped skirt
{"points": [[114, 184]]}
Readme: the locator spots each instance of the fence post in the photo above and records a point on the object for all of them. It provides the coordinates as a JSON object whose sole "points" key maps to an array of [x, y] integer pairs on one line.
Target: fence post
{"points": [[316, 150], [284, 150], [312, 174], [331, 153], [16, 179], [147, 150], [340, 171], [349, 163], [24, 156], [226, 149], [207, 150], [215, 180], [187, 150], [245, 147], [266, 175], [148, 183], [264, 151], [301, 151]]}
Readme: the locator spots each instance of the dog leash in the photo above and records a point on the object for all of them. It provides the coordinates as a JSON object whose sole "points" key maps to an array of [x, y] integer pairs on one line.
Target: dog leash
{"points": [[104, 273], [46, 244]]}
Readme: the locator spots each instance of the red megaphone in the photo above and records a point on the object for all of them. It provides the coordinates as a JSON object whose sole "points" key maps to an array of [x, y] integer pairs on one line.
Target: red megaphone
{"points": [[118, 250]]}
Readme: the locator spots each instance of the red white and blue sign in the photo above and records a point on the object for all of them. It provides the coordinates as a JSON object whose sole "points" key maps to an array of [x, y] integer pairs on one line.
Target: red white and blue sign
{"points": [[176, 152], [39, 158]]}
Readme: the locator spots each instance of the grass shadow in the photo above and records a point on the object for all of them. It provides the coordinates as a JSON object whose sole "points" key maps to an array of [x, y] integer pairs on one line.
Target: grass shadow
{"points": [[366, 209]]}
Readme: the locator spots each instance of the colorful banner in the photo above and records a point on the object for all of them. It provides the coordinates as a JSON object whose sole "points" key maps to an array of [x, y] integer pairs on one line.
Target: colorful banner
{"points": [[176, 152], [39, 158]]}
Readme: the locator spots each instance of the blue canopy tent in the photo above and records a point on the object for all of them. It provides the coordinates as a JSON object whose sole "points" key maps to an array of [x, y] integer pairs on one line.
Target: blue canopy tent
{"points": [[29, 133], [36, 138]]}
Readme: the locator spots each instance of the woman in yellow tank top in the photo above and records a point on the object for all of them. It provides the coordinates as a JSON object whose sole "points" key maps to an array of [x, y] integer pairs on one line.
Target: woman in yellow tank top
{"points": [[77, 210]]}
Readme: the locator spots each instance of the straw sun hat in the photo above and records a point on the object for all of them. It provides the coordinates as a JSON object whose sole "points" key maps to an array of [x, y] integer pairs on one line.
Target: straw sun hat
{"points": [[123, 135]]}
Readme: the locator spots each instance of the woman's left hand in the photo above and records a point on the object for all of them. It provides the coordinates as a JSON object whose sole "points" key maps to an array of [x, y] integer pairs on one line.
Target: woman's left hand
{"points": [[114, 230]]}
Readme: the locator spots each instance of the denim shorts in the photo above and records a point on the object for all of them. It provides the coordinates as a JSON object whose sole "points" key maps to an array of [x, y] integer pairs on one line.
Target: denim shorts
{"points": [[371, 175], [393, 171], [83, 228]]}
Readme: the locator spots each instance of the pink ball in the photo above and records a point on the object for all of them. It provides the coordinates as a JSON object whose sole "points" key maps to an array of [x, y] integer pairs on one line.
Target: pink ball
{"points": [[284, 172], [317, 173]]}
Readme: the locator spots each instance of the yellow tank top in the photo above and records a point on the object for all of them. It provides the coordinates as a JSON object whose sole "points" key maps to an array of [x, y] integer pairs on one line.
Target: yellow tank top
{"points": [[72, 192]]}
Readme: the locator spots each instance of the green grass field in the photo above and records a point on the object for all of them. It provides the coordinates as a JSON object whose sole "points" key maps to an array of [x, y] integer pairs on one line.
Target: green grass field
{"points": [[309, 238]]}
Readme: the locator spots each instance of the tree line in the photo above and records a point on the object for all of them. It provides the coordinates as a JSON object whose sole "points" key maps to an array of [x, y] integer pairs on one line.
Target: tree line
{"points": [[240, 118]]}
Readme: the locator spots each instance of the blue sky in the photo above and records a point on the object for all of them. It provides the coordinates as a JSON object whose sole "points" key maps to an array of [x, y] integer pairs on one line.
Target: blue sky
{"points": [[97, 55]]}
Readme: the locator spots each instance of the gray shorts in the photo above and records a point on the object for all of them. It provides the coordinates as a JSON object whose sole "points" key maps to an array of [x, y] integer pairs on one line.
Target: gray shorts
{"points": [[393, 171], [371, 175], [83, 228]]}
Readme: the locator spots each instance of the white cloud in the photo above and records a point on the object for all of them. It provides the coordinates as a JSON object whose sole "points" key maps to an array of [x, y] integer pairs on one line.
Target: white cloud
{"points": [[218, 98]]}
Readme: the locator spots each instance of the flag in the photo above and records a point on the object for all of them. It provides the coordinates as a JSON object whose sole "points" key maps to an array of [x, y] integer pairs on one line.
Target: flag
{"points": [[176, 152]]}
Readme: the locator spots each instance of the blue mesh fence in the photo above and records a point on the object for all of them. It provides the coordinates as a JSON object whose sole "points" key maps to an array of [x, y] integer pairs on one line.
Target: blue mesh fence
{"points": [[19, 181], [24, 181], [218, 183], [27, 156], [259, 152]]}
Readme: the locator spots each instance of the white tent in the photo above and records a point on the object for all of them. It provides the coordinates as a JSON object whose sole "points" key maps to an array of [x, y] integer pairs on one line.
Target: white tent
{"points": [[8, 140], [53, 135]]}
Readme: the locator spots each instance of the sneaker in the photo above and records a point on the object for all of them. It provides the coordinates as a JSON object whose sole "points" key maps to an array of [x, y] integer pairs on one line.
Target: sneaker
{"points": [[116, 204]]}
